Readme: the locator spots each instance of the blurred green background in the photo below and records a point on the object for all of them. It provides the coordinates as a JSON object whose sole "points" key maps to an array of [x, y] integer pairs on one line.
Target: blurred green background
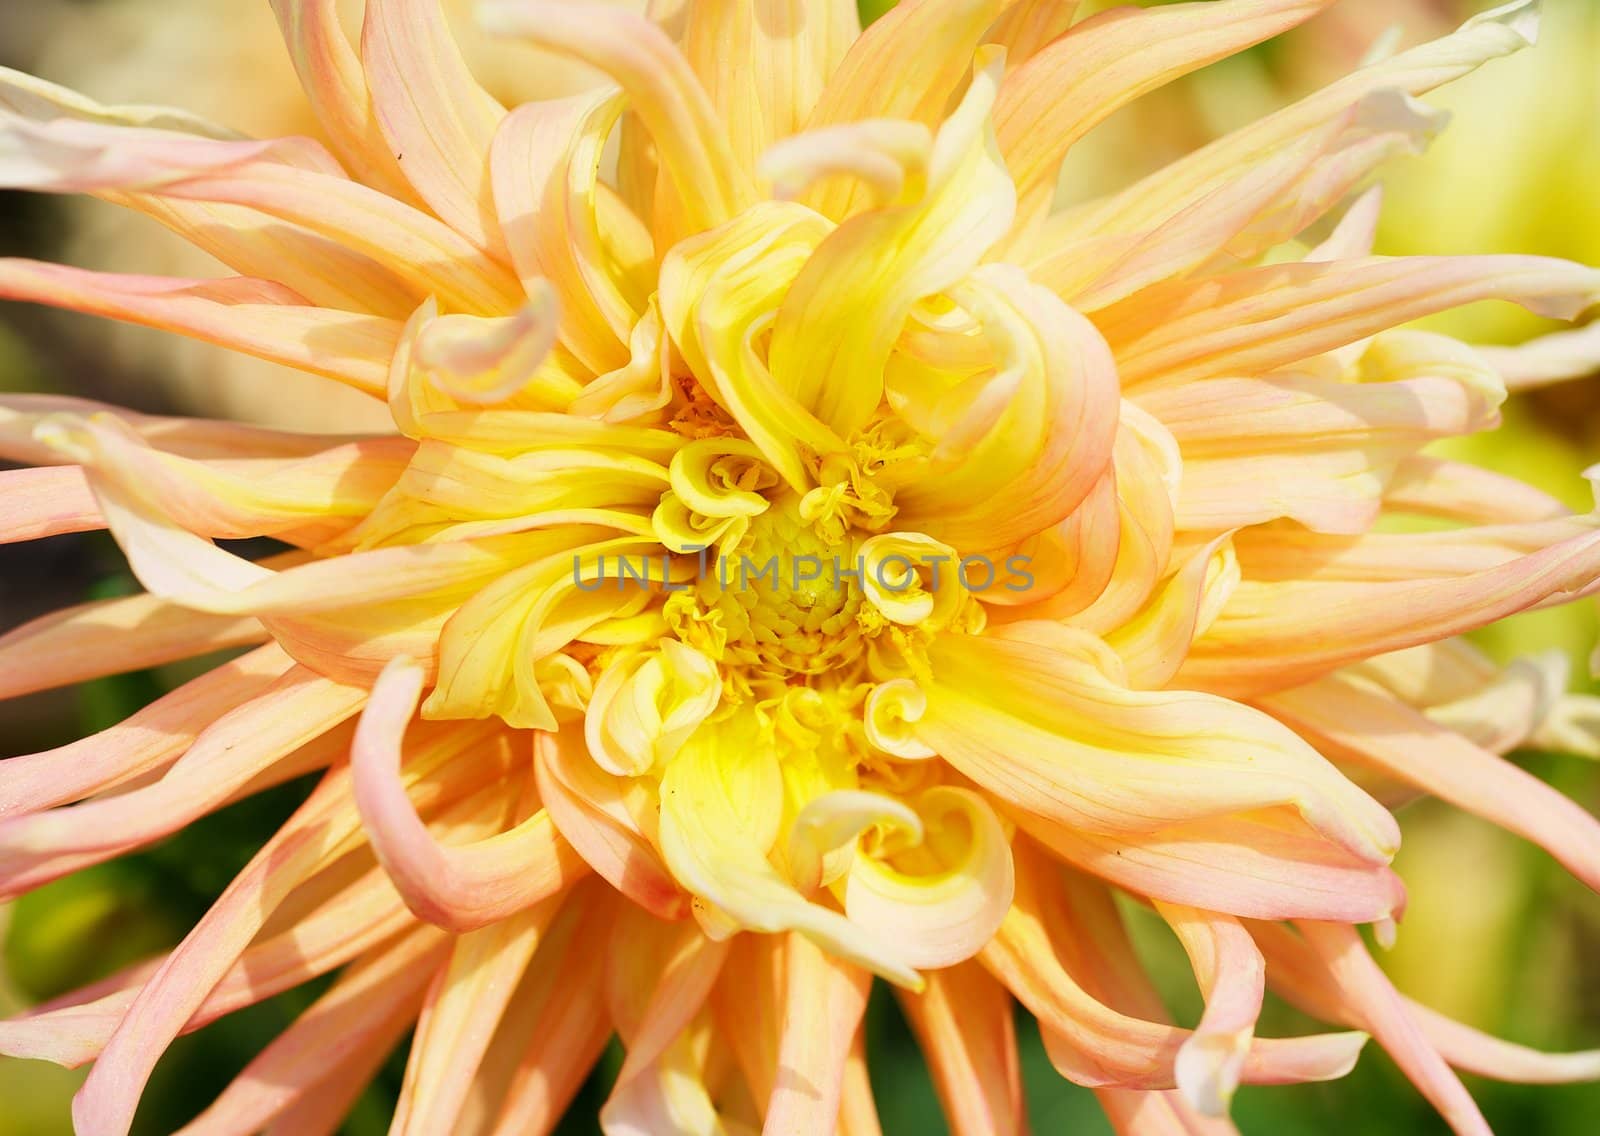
{"points": [[1496, 933]]}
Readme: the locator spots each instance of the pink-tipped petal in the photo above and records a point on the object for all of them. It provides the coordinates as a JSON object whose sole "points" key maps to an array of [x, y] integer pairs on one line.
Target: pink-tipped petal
{"points": [[1359, 981], [457, 888]]}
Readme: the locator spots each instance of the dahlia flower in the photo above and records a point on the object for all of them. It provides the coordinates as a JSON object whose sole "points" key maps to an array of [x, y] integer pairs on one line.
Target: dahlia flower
{"points": [[802, 556]]}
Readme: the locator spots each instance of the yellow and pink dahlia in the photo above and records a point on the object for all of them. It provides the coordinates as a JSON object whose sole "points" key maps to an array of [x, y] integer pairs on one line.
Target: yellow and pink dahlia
{"points": [[802, 555]]}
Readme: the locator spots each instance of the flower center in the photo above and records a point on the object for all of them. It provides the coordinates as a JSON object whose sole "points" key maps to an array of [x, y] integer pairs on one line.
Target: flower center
{"points": [[776, 602]]}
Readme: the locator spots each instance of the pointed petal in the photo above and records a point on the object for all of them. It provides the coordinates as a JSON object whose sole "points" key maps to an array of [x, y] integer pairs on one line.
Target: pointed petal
{"points": [[695, 153], [1320, 451], [1298, 974], [1098, 1046], [1232, 976]]}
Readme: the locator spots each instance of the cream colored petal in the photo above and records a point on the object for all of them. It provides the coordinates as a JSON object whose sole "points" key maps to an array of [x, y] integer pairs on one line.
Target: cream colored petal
{"points": [[787, 50], [838, 323]]}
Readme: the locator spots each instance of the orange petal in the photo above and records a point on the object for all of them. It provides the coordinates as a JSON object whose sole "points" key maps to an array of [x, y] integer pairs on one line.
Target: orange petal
{"points": [[1104, 62], [824, 1004], [1095, 1045], [1256, 320], [36, 503], [1360, 724], [256, 317], [556, 1026], [242, 745], [68, 646], [432, 257], [1266, 865], [464, 1006], [150, 739], [545, 159], [1280, 633], [1363, 985], [658, 983], [1027, 26], [1029, 447], [964, 1024], [437, 119], [338, 1043], [589, 809]]}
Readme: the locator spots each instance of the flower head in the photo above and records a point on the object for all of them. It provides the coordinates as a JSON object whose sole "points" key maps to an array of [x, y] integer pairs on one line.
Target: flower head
{"points": [[802, 556]]}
